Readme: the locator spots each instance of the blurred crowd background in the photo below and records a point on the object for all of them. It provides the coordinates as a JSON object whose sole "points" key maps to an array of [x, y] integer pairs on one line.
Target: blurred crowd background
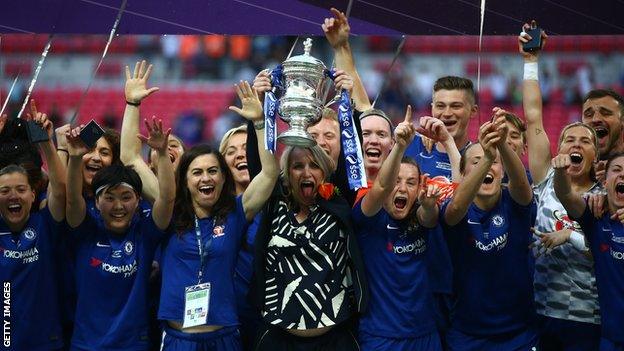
{"points": [[196, 74]]}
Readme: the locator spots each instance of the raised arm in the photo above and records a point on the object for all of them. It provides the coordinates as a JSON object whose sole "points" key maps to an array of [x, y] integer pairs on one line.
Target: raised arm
{"points": [[130, 151], [428, 211], [435, 130], [162, 210], [519, 187], [573, 202], [76, 208], [259, 190], [337, 31], [61, 143], [56, 169], [537, 139], [467, 190], [373, 201]]}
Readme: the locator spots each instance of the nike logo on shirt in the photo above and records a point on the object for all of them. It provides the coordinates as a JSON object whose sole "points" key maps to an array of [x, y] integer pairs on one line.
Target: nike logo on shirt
{"points": [[470, 221], [391, 227], [98, 244]]}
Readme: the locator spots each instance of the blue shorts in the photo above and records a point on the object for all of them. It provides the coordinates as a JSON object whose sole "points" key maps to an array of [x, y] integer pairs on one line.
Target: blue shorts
{"points": [[427, 342], [565, 335], [523, 340], [608, 345], [224, 339]]}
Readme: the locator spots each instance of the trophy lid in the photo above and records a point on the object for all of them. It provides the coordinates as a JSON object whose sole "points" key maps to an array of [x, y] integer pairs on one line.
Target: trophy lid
{"points": [[306, 58]]}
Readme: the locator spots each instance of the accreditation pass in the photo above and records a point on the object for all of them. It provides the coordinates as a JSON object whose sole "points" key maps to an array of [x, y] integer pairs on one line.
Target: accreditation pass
{"points": [[196, 301]]}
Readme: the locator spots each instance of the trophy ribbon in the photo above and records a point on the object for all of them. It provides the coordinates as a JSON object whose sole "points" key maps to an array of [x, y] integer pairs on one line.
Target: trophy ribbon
{"points": [[271, 104], [351, 148]]}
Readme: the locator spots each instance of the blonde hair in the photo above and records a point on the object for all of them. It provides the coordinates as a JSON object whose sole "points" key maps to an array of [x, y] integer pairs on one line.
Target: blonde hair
{"points": [[228, 135], [318, 155], [579, 124]]}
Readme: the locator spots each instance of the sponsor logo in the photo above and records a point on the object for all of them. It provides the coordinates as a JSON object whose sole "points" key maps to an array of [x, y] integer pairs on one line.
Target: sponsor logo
{"points": [[126, 269], [30, 233], [128, 247], [470, 221], [27, 256], [618, 255], [343, 108], [116, 254], [497, 243], [417, 247], [352, 159], [388, 226], [347, 134], [99, 244]]}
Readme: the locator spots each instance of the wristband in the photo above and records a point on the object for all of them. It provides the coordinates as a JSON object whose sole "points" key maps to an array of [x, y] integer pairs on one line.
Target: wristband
{"points": [[63, 150], [135, 104], [258, 124], [578, 241], [531, 71]]}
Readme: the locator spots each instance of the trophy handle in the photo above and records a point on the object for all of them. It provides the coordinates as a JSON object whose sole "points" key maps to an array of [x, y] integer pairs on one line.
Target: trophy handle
{"points": [[334, 100]]}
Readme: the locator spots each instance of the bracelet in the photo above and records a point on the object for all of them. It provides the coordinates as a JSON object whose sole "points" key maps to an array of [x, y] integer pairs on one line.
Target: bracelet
{"points": [[578, 241], [531, 71], [63, 150], [135, 104], [258, 125]]}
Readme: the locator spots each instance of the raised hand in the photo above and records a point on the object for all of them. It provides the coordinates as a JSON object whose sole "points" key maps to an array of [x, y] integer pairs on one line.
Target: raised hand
{"points": [[336, 29], [618, 215], [262, 82], [428, 194], [404, 132], [157, 140], [434, 129], [525, 37], [3, 120], [500, 124], [40, 118], [252, 107], [561, 161], [343, 81], [489, 138], [136, 84], [61, 136], [75, 145], [599, 169]]}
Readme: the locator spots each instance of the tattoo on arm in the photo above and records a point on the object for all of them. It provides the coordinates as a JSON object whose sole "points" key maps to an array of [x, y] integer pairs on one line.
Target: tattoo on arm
{"points": [[538, 131]]}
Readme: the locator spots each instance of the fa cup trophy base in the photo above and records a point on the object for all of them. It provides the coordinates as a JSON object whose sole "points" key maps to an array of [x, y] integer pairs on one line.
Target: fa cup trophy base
{"points": [[295, 138]]}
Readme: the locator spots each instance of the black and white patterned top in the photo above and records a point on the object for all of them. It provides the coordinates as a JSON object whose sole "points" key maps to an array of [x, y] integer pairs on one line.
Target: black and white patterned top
{"points": [[308, 280], [564, 282]]}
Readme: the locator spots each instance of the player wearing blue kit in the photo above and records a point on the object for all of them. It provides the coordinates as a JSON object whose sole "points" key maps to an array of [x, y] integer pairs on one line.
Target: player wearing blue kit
{"points": [[197, 300], [487, 230], [453, 104], [115, 250], [29, 253], [605, 238], [392, 233]]}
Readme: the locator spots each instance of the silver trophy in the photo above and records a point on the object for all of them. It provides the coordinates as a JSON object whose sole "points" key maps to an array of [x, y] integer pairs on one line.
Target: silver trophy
{"points": [[301, 105]]}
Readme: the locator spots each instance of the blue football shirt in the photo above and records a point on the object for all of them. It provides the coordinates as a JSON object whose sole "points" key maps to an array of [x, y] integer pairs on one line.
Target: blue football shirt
{"points": [[181, 261], [112, 273], [400, 297], [606, 242], [28, 270], [493, 282]]}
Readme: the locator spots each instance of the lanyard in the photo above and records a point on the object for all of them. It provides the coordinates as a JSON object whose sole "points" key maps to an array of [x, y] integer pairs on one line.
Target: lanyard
{"points": [[201, 249]]}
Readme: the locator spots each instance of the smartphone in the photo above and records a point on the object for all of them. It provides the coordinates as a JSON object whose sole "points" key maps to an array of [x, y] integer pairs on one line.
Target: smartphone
{"points": [[36, 134], [91, 133], [535, 44]]}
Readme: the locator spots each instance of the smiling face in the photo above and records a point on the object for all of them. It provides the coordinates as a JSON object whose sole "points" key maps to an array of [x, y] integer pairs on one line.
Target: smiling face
{"points": [[236, 159], [327, 135], [376, 142], [117, 206], [515, 139], [304, 175], [205, 180], [16, 199], [175, 150], [405, 193], [101, 156], [491, 185], [454, 108], [603, 114], [614, 183], [578, 142]]}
